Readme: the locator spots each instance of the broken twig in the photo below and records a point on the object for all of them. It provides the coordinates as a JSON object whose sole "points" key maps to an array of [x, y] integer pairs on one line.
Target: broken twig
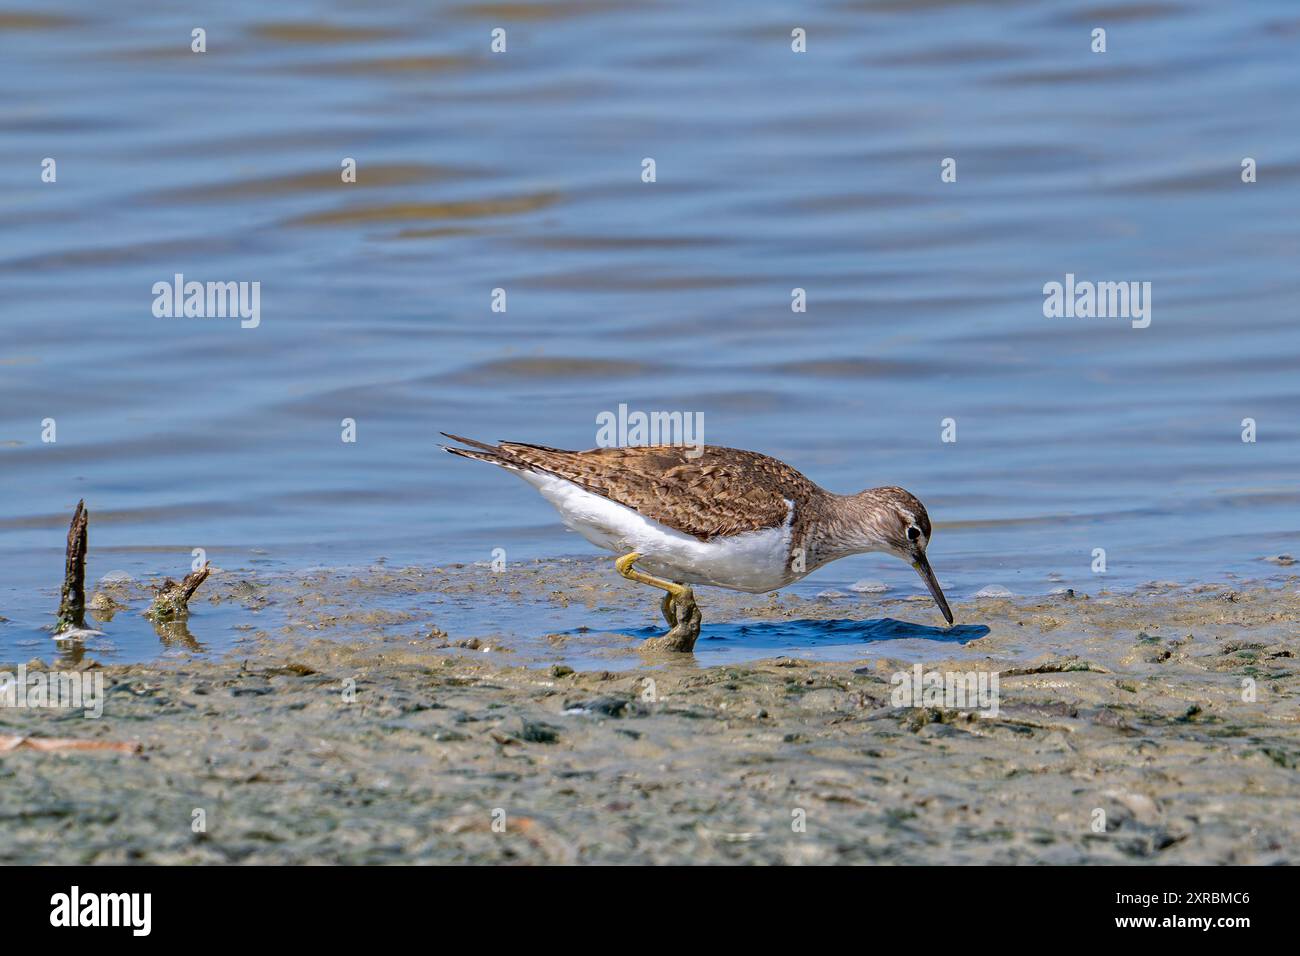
{"points": [[172, 600], [15, 742]]}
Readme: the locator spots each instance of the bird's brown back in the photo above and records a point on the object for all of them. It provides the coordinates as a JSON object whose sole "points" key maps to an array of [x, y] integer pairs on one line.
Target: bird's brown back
{"points": [[724, 491]]}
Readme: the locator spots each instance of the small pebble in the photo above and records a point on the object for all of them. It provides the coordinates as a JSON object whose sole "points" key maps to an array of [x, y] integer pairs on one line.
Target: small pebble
{"points": [[830, 595], [993, 591]]}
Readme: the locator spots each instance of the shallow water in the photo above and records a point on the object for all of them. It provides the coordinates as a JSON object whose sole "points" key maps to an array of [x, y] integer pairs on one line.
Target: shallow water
{"points": [[522, 171]]}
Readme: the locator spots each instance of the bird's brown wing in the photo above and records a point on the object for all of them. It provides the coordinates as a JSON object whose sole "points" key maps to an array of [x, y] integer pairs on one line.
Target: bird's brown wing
{"points": [[724, 491]]}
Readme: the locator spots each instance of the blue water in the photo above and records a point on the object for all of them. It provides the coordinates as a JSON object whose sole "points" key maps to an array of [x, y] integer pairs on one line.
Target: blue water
{"points": [[522, 171]]}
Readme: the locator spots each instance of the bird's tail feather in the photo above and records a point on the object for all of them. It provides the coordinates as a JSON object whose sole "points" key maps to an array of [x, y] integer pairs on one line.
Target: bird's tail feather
{"points": [[480, 451], [481, 445]]}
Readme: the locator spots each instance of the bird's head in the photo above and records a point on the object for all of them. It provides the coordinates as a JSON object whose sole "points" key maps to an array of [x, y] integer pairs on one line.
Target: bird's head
{"points": [[894, 520]]}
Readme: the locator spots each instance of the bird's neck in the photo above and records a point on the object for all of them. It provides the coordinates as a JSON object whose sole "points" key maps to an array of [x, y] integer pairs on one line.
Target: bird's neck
{"points": [[844, 525]]}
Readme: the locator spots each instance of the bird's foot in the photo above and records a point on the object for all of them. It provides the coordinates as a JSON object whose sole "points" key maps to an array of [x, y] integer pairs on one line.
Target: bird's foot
{"points": [[683, 617], [678, 607]]}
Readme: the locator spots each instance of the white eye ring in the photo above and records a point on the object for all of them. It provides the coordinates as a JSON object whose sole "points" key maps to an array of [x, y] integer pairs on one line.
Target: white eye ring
{"points": [[913, 533]]}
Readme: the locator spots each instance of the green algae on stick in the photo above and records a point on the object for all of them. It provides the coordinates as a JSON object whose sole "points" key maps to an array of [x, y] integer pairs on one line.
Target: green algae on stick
{"points": [[173, 598]]}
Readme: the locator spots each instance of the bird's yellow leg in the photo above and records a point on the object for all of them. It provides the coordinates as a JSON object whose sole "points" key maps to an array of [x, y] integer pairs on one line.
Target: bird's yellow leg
{"points": [[624, 567], [679, 608]]}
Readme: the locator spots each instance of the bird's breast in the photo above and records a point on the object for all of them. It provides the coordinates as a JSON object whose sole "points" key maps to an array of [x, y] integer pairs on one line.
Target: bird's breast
{"points": [[754, 561]]}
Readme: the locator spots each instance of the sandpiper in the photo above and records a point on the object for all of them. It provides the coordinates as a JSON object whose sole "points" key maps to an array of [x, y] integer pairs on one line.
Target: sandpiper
{"points": [[724, 517]]}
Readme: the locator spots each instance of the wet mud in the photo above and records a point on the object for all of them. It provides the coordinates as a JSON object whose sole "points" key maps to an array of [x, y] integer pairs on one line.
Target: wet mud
{"points": [[364, 726]]}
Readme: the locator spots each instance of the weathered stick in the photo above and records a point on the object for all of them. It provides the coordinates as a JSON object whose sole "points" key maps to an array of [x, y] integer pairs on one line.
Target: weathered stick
{"points": [[173, 598], [72, 604], [15, 742]]}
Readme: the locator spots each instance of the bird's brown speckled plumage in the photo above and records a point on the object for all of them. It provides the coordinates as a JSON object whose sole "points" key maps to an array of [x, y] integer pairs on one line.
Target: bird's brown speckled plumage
{"points": [[723, 491]]}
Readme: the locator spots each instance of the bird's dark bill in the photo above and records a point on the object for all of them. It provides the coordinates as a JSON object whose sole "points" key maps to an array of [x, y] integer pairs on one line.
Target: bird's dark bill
{"points": [[922, 566]]}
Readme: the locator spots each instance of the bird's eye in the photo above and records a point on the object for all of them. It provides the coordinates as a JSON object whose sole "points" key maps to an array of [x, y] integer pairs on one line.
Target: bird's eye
{"points": [[913, 533]]}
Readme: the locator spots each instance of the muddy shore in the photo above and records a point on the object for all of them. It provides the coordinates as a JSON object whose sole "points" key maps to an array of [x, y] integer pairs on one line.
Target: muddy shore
{"points": [[346, 735]]}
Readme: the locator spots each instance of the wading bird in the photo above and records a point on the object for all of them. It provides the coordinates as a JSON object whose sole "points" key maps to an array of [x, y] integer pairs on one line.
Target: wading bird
{"points": [[719, 516]]}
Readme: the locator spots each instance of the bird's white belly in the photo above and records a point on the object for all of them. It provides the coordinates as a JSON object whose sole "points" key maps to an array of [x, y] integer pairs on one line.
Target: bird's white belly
{"points": [[755, 561]]}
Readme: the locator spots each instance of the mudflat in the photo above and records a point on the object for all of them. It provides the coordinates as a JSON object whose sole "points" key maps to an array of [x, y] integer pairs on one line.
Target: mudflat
{"points": [[1159, 726]]}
